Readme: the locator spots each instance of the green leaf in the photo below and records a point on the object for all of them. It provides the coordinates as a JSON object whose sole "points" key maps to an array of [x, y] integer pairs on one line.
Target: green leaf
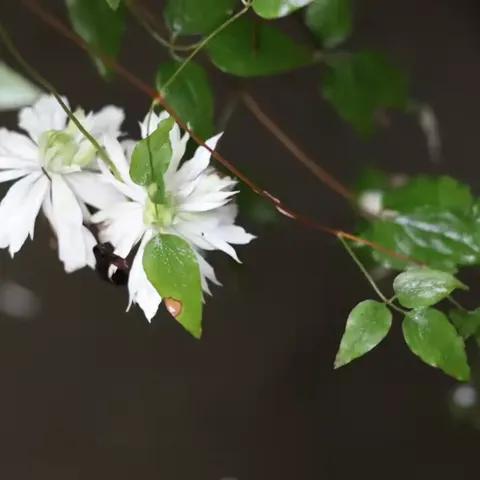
{"points": [[423, 287], [434, 339], [113, 4], [442, 192], [277, 8], [151, 157], [247, 48], [190, 17], [330, 20], [467, 323], [172, 268], [15, 90], [441, 239], [363, 84], [367, 325], [189, 95], [100, 26]]}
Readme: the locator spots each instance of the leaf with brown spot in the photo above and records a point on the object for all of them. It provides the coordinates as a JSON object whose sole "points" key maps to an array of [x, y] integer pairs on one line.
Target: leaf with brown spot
{"points": [[172, 268]]}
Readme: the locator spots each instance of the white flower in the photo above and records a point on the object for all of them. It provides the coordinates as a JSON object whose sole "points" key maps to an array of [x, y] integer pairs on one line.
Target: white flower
{"points": [[55, 170], [198, 209]]}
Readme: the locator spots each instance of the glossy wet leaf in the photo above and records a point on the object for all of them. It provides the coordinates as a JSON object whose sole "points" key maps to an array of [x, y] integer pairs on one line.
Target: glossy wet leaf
{"points": [[467, 323], [189, 95], [189, 17], [442, 192], [113, 4], [277, 8], [172, 268], [441, 239], [100, 26], [330, 20], [151, 157], [15, 90], [433, 338], [362, 85], [249, 48], [367, 325], [423, 287]]}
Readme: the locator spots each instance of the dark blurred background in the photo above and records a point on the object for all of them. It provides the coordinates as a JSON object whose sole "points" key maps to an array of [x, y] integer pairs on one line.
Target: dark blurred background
{"points": [[88, 391]]}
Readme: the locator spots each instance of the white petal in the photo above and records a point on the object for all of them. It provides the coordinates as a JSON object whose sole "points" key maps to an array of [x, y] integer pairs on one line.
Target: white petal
{"points": [[22, 222], [106, 121], [91, 188], [75, 242], [151, 121], [191, 169], [122, 226], [201, 206], [206, 269], [206, 273], [17, 150], [130, 190], [202, 202], [25, 221], [221, 244], [202, 155], [15, 90], [7, 175], [212, 182], [234, 234], [116, 154], [227, 213], [140, 289], [179, 146], [11, 205], [192, 235], [45, 114]]}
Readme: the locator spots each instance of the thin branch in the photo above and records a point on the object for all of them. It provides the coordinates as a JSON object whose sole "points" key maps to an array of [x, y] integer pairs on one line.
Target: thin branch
{"points": [[291, 146]]}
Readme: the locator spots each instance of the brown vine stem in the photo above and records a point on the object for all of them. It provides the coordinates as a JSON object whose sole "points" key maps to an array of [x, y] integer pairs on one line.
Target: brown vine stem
{"points": [[290, 145], [58, 25]]}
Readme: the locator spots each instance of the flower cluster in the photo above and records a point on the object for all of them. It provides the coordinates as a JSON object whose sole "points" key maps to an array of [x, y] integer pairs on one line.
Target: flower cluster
{"points": [[58, 171]]}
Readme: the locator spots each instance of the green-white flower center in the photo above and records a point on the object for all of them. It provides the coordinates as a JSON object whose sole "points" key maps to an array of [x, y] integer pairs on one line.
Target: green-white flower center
{"points": [[159, 215], [61, 149]]}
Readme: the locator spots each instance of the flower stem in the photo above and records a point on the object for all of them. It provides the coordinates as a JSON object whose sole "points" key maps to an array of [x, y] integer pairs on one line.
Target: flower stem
{"points": [[150, 159], [203, 43], [48, 86], [369, 277]]}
